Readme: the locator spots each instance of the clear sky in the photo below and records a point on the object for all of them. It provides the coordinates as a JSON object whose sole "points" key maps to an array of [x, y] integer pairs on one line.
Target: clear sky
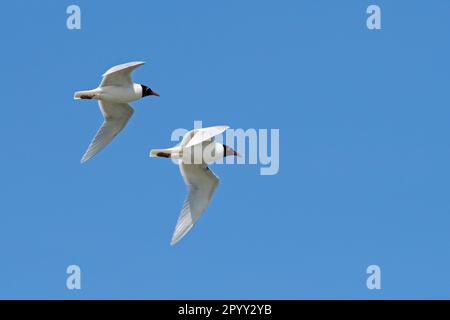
{"points": [[364, 119]]}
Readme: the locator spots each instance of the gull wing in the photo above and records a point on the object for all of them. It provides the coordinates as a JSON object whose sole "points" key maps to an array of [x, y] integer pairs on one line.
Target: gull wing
{"points": [[116, 117], [202, 183], [201, 135], [120, 75]]}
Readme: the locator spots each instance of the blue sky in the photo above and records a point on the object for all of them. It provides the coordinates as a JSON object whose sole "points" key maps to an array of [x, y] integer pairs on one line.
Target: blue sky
{"points": [[364, 123]]}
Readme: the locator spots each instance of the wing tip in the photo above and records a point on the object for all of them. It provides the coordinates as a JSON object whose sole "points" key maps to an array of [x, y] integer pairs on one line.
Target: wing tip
{"points": [[175, 239], [132, 63], [86, 157], [180, 233]]}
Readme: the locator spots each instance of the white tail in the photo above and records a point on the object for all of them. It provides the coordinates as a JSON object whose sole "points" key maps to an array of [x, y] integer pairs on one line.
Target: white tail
{"points": [[88, 94], [165, 153]]}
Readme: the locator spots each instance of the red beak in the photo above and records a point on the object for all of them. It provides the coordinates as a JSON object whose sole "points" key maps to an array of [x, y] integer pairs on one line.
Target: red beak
{"points": [[155, 94]]}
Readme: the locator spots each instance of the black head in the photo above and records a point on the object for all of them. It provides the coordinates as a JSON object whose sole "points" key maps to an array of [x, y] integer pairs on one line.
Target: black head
{"points": [[146, 91], [228, 151]]}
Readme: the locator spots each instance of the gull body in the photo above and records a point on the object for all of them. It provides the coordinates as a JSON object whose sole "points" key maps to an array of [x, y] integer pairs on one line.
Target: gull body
{"points": [[118, 94], [114, 93], [196, 150]]}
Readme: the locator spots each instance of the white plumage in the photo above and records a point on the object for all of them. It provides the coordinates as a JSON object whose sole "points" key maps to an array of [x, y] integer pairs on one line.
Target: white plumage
{"points": [[196, 150], [116, 90]]}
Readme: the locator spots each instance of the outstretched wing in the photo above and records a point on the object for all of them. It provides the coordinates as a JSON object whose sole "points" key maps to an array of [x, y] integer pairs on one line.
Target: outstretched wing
{"points": [[202, 183], [116, 117], [120, 75]]}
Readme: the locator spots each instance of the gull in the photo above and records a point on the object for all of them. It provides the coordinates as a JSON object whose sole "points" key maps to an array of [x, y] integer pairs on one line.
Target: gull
{"points": [[196, 150], [114, 93]]}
